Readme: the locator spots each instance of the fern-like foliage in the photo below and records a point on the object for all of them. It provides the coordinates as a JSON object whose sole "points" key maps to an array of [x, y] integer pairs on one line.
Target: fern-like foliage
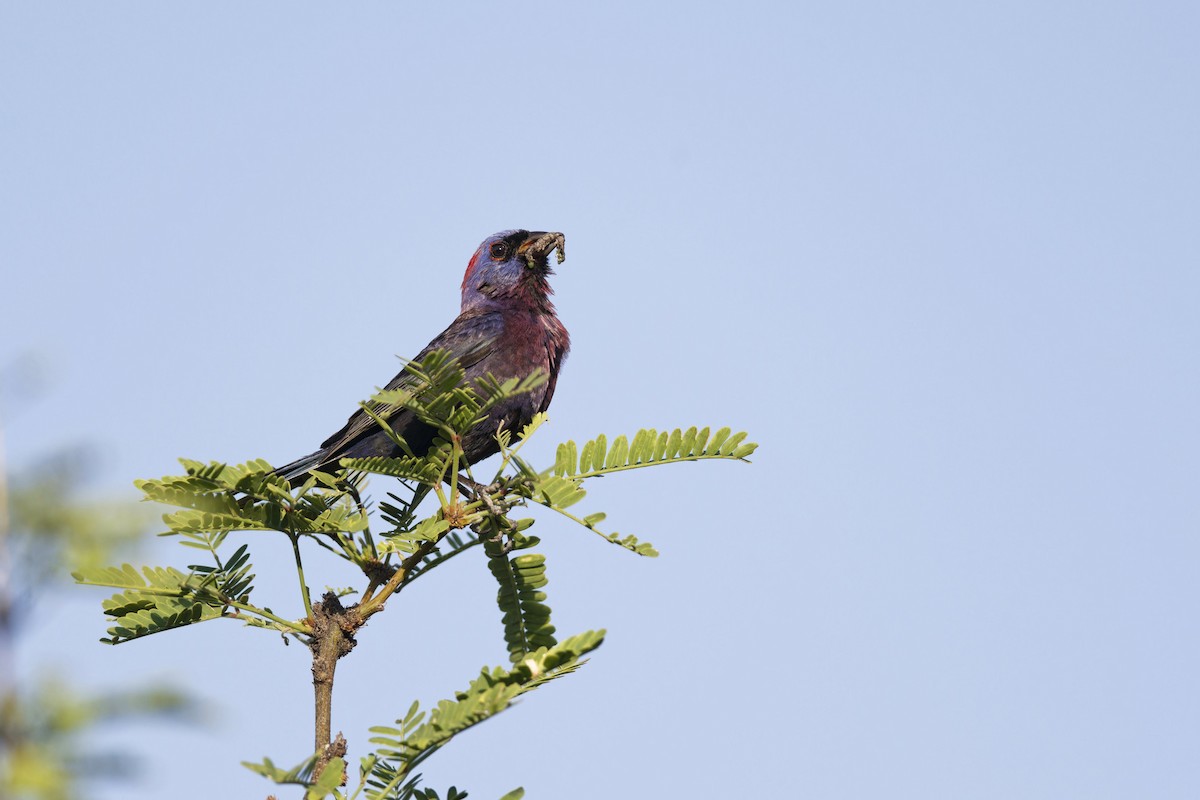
{"points": [[559, 494], [162, 598], [387, 774], [429, 794], [218, 497], [434, 391], [421, 470], [522, 603], [317, 787], [648, 447], [561, 486], [452, 544]]}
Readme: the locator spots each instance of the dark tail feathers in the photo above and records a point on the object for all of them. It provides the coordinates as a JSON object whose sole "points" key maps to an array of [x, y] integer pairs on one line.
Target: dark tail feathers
{"points": [[301, 466]]}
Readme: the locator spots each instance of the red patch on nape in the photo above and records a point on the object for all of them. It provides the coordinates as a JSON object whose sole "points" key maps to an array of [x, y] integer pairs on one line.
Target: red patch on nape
{"points": [[471, 266]]}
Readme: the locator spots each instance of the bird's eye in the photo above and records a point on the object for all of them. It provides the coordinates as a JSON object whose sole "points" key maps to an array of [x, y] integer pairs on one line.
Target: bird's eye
{"points": [[499, 251]]}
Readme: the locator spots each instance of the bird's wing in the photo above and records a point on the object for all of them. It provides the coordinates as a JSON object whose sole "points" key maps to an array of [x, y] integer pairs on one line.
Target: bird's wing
{"points": [[469, 339]]}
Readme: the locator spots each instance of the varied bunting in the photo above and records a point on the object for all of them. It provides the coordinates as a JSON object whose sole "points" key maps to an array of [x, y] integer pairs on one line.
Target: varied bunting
{"points": [[507, 327]]}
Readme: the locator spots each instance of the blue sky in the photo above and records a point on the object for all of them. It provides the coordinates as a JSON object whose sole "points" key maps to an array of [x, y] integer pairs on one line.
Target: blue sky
{"points": [[940, 259]]}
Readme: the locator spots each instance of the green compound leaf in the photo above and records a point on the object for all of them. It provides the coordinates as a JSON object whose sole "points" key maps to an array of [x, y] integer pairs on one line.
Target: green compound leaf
{"points": [[402, 748], [322, 786], [521, 600], [301, 773], [648, 447], [561, 486], [330, 779], [162, 598], [434, 392], [218, 498], [158, 599], [420, 470], [558, 493]]}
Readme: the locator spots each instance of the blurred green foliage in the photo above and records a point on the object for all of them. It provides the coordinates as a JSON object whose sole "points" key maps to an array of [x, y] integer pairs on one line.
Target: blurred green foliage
{"points": [[48, 726]]}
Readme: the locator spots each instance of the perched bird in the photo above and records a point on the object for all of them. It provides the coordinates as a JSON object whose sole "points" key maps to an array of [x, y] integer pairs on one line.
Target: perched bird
{"points": [[507, 327]]}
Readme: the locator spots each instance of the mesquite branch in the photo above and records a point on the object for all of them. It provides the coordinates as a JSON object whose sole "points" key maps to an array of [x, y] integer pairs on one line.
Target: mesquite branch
{"points": [[334, 627], [333, 637]]}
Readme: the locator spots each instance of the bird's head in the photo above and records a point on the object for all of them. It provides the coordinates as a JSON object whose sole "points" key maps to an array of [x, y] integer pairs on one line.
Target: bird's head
{"points": [[511, 266]]}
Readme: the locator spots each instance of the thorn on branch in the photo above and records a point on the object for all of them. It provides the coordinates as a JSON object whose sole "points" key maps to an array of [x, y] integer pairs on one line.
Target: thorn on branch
{"points": [[335, 749]]}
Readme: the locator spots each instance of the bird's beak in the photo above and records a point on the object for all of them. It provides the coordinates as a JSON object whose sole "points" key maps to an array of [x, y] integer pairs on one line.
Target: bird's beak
{"points": [[538, 246]]}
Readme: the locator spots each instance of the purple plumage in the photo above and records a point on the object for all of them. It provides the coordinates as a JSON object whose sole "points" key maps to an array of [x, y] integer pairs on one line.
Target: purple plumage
{"points": [[507, 327]]}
